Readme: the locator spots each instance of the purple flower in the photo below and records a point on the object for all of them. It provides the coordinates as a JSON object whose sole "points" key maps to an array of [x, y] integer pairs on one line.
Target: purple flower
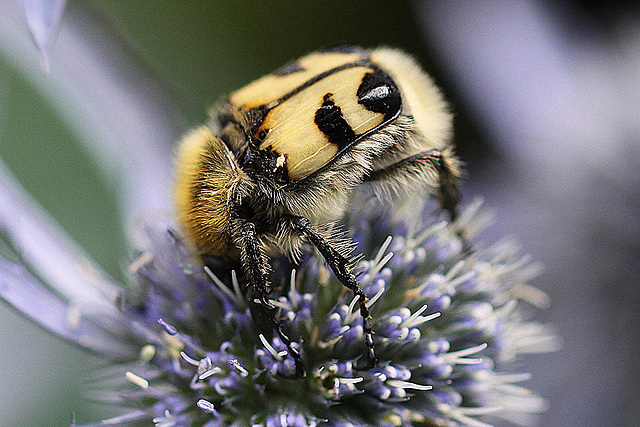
{"points": [[186, 348]]}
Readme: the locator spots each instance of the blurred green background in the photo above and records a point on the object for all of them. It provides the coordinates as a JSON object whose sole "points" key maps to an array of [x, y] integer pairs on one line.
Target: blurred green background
{"points": [[200, 50]]}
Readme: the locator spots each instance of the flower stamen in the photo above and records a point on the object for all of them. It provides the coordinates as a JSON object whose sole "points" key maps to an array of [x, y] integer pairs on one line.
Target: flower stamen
{"points": [[408, 385], [416, 319], [278, 355], [206, 406], [375, 298], [236, 365], [235, 295], [137, 380], [458, 357]]}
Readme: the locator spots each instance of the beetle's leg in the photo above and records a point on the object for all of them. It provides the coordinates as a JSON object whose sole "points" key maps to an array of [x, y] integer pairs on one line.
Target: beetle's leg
{"points": [[254, 266], [340, 266], [424, 164]]}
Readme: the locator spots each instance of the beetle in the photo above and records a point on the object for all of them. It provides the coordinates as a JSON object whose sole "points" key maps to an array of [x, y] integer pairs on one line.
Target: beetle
{"points": [[282, 157]]}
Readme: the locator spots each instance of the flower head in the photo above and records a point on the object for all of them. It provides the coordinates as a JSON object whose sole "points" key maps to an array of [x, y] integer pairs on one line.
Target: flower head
{"points": [[447, 323], [188, 349]]}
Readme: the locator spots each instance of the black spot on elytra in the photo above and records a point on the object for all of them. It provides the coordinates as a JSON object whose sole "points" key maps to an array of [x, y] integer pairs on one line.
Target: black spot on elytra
{"points": [[332, 123], [378, 93]]}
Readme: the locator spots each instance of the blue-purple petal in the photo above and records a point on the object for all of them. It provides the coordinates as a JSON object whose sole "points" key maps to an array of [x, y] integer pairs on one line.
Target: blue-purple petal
{"points": [[97, 332], [41, 244]]}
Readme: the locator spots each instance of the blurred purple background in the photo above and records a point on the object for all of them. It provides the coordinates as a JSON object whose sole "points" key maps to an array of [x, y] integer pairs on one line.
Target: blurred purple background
{"points": [[555, 91]]}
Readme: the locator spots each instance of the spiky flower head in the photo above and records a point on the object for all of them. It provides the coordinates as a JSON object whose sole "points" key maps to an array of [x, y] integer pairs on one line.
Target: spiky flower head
{"points": [[448, 321]]}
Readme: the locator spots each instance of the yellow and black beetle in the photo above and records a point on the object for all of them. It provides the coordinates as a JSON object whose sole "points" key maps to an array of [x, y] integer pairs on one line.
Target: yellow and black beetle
{"points": [[282, 157]]}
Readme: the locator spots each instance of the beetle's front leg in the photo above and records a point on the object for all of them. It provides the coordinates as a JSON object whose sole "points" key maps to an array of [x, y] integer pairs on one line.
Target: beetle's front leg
{"points": [[340, 266], [254, 267]]}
